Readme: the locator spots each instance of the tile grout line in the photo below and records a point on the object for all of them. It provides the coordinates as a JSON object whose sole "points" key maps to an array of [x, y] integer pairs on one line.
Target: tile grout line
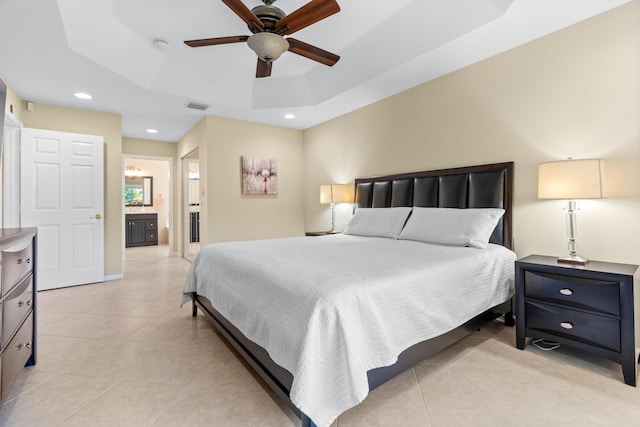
{"points": [[88, 402], [424, 404], [56, 374], [166, 408]]}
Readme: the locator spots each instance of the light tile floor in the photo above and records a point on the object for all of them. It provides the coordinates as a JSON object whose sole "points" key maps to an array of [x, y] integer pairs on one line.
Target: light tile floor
{"points": [[124, 353]]}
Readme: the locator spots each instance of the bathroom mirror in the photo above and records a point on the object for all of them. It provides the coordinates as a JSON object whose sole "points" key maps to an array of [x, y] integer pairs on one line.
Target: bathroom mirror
{"points": [[138, 191]]}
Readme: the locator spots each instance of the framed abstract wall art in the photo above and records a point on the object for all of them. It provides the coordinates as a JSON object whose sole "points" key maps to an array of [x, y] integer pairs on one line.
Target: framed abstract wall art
{"points": [[259, 175]]}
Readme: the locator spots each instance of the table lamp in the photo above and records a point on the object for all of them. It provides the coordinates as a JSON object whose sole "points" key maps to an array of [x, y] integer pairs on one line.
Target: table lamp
{"points": [[335, 193], [571, 180]]}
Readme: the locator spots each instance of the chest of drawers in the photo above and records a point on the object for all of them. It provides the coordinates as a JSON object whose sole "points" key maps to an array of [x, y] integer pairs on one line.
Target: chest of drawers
{"points": [[591, 307], [17, 304]]}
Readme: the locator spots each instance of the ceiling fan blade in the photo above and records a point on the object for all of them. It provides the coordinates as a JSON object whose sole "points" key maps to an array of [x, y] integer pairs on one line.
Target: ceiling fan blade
{"points": [[312, 52], [263, 69], [244, 13], [216, 40], [308, 14]]}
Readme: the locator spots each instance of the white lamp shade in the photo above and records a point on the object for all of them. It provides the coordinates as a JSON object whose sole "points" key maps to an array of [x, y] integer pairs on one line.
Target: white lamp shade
{"points": [[268, 46], [325, 194], [336, 193], [571, 179]]}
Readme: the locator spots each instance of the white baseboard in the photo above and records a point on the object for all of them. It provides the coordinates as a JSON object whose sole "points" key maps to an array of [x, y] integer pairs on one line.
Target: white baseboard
{"points": [[113, 277]]}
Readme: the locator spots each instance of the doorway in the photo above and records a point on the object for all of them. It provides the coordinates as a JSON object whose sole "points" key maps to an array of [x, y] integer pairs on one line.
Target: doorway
{"points": [[192, 207], [157, 200]]}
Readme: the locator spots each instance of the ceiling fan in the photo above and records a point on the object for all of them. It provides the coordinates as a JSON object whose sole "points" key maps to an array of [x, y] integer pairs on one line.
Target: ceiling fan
{"points": [[270, 24]]}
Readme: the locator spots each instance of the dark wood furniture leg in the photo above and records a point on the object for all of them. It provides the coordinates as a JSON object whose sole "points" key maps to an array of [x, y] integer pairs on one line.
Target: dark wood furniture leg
{"points": [[509, 319], [630, 370]]}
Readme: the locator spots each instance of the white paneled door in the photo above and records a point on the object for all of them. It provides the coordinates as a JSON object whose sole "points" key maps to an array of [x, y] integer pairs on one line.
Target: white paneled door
{"points": [[61, 193]]}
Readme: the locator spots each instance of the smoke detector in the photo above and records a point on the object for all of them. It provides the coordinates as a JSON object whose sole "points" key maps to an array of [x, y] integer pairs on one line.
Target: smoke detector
{"points": [[161, 44]]}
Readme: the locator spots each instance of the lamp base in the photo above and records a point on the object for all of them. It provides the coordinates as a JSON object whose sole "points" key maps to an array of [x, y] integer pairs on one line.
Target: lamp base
{"points": [[574, 259]]}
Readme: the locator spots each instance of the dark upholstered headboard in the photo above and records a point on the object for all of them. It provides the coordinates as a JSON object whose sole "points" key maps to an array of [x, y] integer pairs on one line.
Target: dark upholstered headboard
{"points": [[483, 186]]}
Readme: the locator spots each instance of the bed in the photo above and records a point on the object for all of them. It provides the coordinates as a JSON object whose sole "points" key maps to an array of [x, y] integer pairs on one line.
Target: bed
{"points": [[303, 319]]}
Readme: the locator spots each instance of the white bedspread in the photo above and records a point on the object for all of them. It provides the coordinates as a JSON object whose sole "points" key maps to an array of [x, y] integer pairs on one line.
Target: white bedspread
{"points": [[330, 308]]}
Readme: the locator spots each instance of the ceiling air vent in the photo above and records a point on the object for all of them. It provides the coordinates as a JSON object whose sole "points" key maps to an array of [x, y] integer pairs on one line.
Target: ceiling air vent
{"points": [[196, 106]]}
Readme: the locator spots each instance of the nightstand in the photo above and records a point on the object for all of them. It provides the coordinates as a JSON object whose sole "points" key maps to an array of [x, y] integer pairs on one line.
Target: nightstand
{"points": [[320, 233], [590, 307]]}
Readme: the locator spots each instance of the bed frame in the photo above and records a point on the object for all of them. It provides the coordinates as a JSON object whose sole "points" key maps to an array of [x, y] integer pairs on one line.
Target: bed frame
{"points": [[481, 186]]}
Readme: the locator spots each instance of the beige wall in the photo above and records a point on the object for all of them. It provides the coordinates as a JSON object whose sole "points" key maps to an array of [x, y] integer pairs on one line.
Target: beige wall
{"points": [[108, 126], [234, 216], [575, 93], [147, 147], [227, 214], [221, 143]]}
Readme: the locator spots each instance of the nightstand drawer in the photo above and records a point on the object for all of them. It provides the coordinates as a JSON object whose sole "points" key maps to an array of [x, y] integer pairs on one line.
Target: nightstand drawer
{"points": [[588, 294], [600, 331]]}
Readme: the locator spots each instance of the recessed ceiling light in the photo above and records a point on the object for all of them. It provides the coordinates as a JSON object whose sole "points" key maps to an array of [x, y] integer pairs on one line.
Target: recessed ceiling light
{"points": [[83, 95], [289, 116], [152, 130]]}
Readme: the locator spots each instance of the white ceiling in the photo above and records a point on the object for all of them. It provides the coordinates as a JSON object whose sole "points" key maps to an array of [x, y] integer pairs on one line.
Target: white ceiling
{"points": [[49, 50]]}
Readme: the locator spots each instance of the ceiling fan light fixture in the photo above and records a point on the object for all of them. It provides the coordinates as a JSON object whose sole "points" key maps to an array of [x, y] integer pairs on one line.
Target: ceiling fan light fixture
{"points": [[268, 46]]}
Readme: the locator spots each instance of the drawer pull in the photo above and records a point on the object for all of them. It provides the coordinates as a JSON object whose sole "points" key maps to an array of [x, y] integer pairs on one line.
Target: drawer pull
{"points": [[23, 303], [566, 325], [25, 345], [566, 291], [24, 261]]}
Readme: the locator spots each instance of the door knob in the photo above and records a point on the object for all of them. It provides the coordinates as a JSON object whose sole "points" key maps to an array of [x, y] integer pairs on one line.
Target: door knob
{"points": [[98, 216]]}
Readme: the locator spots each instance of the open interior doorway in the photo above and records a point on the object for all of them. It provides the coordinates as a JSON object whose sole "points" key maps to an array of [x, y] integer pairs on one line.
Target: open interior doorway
{"points": [[147, 202], [192, 207]]}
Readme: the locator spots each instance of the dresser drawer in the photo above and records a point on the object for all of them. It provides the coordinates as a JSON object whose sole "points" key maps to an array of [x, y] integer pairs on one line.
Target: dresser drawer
{"points": [[151, 225], [15, 356], [583, 293], [16, 263], [151, 236], [16, 307], [600, 331]]}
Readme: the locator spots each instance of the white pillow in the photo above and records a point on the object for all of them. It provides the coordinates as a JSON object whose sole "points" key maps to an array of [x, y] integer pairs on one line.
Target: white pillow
{"points": [[378, 222], [450, 226]]}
